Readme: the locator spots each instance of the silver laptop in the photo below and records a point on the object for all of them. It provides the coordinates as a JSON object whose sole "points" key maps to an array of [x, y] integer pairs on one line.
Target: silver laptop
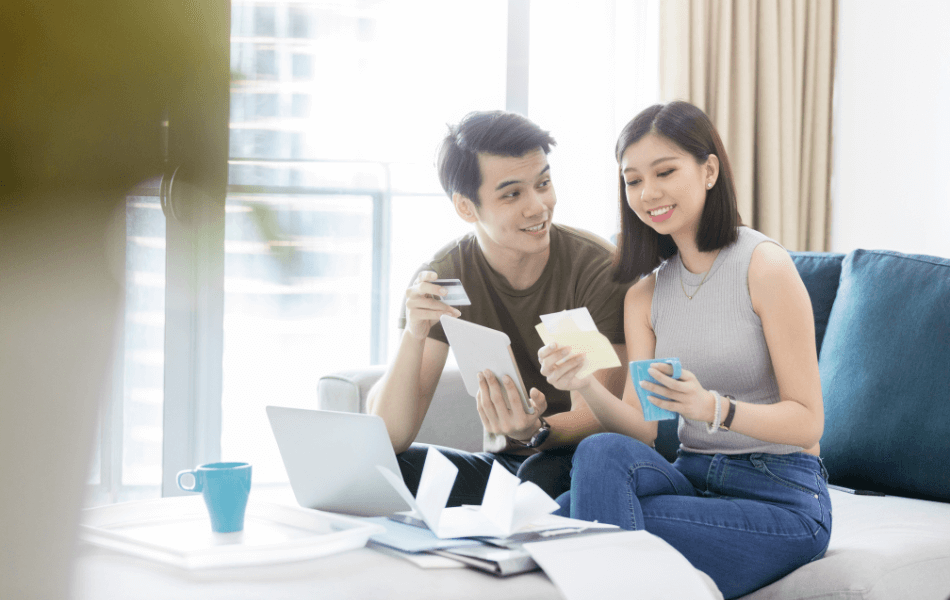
{"points": [[331, 460]]}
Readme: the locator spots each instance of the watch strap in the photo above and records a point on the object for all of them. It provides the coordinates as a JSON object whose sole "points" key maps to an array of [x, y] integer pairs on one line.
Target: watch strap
{"points": [[538, 438], [727, 422]]}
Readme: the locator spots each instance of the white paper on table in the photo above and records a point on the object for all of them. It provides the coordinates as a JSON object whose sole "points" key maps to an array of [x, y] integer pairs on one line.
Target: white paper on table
{"points": [[509, 504], [558, 525], [618, 566]]}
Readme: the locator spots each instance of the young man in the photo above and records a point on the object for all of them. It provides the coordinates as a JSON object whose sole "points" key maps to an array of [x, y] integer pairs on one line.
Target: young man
{"points": [[515, 266]]}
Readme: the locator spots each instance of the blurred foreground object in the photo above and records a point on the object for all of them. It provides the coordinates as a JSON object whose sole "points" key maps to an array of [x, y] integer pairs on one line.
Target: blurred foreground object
{"points": [[84, 86]]}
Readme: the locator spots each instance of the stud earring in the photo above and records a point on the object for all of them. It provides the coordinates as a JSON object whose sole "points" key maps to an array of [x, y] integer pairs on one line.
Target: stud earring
{"points": [[708, 186]]}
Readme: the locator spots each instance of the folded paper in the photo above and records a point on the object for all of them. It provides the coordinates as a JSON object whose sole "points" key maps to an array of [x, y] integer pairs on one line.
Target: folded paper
{"points": [[576, 328], [509, 505]]}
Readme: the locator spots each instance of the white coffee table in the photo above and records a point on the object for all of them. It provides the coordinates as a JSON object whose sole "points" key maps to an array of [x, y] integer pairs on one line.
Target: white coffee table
{"points": [[355, 574], [363, 573]]}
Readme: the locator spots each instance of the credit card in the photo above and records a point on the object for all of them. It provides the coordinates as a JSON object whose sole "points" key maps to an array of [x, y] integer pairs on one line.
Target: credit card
{"points": [[456, 293]]}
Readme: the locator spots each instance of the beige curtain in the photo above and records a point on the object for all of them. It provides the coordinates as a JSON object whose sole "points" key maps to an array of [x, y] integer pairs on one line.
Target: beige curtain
{"points": [[762, 70]]}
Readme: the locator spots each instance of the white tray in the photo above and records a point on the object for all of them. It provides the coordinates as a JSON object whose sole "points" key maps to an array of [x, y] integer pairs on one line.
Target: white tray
{"points": [[177, 531]]}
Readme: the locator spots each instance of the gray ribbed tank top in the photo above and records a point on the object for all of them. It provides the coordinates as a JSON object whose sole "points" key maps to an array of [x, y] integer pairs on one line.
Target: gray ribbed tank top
{"points": [[717, 336]]}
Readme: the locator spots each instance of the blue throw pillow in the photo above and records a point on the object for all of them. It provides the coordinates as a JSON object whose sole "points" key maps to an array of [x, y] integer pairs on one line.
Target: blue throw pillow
{"points": [[885, 375], [820, 271]]}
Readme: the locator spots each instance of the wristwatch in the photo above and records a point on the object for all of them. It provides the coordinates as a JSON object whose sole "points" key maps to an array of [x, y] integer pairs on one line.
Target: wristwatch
{"points": [[538, 438]]}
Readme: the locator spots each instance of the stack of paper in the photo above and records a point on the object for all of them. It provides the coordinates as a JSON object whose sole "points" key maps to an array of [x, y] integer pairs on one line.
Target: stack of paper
{"points": [[576, 328], [512, 512]]}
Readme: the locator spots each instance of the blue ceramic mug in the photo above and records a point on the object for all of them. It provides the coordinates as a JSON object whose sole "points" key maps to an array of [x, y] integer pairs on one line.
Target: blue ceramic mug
{"points": [[225, 487], [638, 371]]}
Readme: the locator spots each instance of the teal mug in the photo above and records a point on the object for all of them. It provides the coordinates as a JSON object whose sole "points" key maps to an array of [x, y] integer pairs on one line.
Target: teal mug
{"points": [[638, 372], [225, 487]]}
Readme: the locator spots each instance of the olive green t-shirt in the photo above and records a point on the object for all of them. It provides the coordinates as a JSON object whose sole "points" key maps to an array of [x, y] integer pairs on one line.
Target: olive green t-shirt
{"points": [[578, 274]]}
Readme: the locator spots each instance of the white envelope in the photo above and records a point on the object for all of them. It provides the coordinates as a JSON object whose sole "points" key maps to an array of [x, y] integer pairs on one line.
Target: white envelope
{"points": [[576, 328]]}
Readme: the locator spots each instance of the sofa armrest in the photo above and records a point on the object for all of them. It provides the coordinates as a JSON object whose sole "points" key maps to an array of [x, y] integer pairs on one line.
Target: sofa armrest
{"points": [[451, 421]]}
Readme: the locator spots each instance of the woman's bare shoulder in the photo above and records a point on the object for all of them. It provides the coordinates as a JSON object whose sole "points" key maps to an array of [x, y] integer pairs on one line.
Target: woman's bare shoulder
{"points": [[640, 296]]}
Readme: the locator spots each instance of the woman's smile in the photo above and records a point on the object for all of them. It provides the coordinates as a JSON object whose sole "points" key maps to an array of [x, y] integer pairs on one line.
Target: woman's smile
{"points": [[661, 214]]}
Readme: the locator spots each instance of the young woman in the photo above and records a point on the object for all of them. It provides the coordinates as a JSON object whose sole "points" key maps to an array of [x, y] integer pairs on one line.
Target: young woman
{"points": [[746, 500]]}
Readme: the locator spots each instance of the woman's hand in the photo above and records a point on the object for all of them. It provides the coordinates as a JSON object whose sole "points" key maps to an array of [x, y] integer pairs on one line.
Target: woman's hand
{"points": [[560, 367], [687, 396], [423, 307]]}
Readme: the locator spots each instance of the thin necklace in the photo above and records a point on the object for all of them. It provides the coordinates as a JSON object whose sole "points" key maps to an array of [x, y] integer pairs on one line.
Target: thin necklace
{"points": [[688, 297]]}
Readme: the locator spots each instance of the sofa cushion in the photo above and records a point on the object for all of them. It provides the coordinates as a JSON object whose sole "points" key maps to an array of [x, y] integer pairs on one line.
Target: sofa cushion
{"points": [[885, 374], [820, 271], [452, 419], [881, 549]]}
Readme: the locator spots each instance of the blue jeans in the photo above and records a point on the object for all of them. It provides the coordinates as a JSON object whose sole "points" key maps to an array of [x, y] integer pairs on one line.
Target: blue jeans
{"points": [[550, 470], [745, 520]]}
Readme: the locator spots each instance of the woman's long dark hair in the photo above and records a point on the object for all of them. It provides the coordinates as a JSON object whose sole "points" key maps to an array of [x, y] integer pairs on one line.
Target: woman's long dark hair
{"points": [[640, 249]]}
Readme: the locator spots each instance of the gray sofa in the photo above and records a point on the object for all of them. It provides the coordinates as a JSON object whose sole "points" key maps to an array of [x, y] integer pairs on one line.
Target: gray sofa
{"points": [[883, 334]]}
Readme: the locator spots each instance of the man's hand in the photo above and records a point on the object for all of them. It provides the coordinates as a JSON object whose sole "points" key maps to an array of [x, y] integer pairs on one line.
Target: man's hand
{"points": [[423, 308], [502, 419]]}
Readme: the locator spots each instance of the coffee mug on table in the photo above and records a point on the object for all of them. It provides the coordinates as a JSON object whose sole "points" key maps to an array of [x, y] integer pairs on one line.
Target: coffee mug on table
{"points": [[638, 371], [225, 487]]}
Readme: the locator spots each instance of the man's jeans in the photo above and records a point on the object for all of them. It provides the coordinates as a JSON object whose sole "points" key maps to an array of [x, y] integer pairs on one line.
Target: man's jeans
{"points": [[550, 470], [745, 520]]}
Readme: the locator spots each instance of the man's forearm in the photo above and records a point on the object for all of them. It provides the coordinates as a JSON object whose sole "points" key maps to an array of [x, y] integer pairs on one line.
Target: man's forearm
{"points": [[569, 428], [396, 396]]}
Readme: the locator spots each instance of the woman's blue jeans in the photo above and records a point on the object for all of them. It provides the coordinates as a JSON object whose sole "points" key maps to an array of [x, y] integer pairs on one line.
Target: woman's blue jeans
{"points": [[745, 520]]}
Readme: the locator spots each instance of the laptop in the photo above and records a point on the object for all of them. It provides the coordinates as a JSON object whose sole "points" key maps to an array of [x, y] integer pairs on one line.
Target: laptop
{"points": [[331, 460]]}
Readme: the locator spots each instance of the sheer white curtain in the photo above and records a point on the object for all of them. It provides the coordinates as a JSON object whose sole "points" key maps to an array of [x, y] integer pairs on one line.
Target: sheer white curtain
{"points": [[593, 68]]}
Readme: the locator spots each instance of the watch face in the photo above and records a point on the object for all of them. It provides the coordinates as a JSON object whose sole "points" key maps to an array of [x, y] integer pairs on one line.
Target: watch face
{"points": [[539, 437]]}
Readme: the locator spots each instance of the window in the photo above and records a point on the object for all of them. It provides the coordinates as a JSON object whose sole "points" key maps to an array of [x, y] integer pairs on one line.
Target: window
{"points": [[300, 106], [127, 462], [298, 19], [302, 67], [265, 64], [333, 201], [264, 24], [311, 253]]}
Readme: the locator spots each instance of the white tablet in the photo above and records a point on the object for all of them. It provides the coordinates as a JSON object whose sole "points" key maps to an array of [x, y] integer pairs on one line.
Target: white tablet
{"points": [[477, 348]]}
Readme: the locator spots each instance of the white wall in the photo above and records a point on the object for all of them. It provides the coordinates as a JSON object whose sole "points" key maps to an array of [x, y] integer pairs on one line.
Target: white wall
{"points": [[891, 182]]}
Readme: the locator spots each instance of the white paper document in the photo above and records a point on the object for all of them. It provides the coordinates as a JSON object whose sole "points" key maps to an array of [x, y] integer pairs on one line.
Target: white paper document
{"points": [[509, 505], [576, 319], [623, 565]]}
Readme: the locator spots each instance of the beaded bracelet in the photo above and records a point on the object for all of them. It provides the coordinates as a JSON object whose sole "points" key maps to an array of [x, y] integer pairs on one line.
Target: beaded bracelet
{"points": [[714, 426]]}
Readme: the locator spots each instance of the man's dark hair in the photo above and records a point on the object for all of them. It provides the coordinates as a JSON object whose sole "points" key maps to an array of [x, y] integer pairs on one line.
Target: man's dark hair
{"points": [[640, 249], [488, 132]]}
